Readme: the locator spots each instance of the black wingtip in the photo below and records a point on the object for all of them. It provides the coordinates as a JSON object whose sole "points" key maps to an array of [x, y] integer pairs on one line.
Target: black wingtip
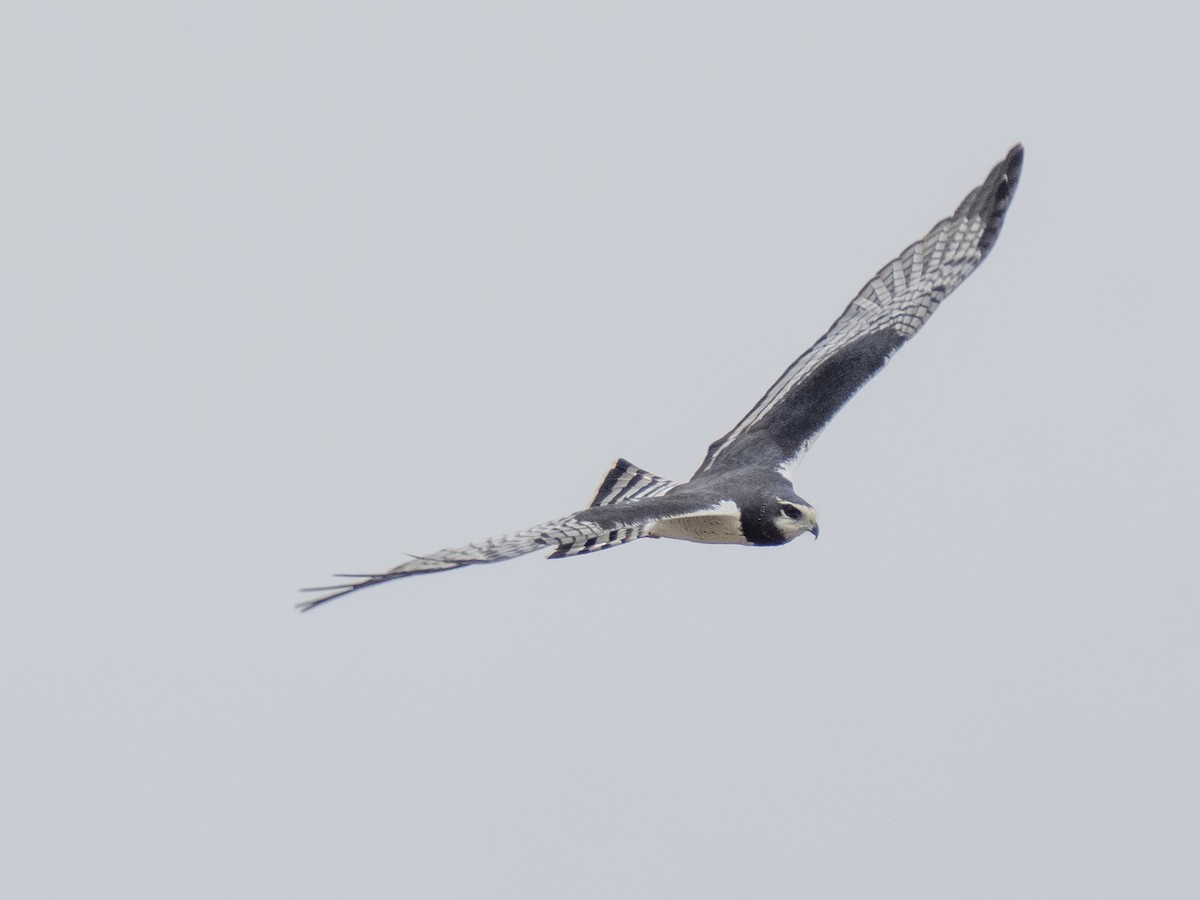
{"points": [[990, 201], [1010, 168]]}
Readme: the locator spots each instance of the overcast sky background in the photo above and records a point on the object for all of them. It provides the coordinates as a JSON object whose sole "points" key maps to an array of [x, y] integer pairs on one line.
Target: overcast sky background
{"points": [[290, 290]]}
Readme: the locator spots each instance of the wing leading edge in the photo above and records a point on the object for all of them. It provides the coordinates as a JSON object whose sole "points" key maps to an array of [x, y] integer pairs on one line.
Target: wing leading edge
{"points": [[889, 310]]}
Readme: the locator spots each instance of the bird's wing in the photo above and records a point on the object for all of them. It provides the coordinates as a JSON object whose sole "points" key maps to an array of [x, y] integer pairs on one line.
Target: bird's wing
{"points": [[889, 310], [596, 528]]}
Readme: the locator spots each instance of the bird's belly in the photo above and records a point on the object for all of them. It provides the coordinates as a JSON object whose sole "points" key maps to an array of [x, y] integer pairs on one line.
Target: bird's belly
{"points": [[704, 529]]}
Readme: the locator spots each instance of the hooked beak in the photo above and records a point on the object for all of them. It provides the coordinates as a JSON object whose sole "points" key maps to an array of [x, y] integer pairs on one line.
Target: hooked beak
{"points": [[816, 531]]}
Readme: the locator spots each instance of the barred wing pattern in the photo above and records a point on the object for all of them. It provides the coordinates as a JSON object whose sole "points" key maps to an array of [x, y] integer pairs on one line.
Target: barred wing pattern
{"points": [[569, 536], [889, 310]]}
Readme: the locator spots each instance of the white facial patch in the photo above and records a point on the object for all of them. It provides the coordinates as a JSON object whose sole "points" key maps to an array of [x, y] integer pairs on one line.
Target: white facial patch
{"points": [[803, 518]]}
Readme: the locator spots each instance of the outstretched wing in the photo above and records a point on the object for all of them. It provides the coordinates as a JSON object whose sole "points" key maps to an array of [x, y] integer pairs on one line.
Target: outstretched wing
{"points": [[889, 310], [586, 531]]}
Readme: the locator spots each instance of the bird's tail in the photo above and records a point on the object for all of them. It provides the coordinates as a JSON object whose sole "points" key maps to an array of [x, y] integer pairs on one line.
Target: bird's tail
{"points": [[625, 481]]}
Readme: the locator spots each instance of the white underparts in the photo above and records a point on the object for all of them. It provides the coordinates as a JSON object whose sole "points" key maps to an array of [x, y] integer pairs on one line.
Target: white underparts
{"points": [[722, 524]]}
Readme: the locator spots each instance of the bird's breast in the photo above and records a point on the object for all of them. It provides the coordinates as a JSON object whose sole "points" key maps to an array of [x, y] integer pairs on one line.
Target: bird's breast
{"points": [[717, 526]]}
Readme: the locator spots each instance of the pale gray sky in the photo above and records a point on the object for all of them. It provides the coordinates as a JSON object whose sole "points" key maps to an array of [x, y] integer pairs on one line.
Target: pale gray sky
{"points": [[294, 289]]}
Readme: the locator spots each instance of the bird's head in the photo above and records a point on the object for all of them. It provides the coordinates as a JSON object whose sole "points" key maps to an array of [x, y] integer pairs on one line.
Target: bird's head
{"points": [[795, 517]]}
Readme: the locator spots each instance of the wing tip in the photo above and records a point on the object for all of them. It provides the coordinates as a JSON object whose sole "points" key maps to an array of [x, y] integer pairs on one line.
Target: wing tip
{"points": [[990, 201]]}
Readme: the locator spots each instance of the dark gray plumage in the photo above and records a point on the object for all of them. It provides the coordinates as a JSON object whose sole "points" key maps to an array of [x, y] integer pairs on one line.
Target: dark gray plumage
{"points": [[743, 492]]}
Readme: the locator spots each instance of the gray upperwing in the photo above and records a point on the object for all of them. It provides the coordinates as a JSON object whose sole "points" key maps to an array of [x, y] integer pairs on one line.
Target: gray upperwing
{"points": [[889, 310]]}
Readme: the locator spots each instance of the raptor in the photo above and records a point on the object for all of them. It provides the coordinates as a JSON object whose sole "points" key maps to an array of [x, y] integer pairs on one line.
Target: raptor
{"points": [[743, 492]]}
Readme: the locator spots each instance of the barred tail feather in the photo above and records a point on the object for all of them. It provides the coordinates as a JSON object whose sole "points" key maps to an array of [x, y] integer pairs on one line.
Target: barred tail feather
{"points": [[625, 481]]}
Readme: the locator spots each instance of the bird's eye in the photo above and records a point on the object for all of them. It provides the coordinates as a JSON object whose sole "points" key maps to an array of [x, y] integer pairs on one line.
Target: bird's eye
{"points": [[791, 512]]}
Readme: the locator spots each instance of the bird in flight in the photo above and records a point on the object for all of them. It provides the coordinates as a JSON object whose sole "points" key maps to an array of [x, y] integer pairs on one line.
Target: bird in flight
{"points": [[743, 492]]}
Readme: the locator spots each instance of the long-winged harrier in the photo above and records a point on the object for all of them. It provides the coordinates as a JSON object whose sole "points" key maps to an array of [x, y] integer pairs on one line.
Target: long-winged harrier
{"points": [[743, 492]]}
